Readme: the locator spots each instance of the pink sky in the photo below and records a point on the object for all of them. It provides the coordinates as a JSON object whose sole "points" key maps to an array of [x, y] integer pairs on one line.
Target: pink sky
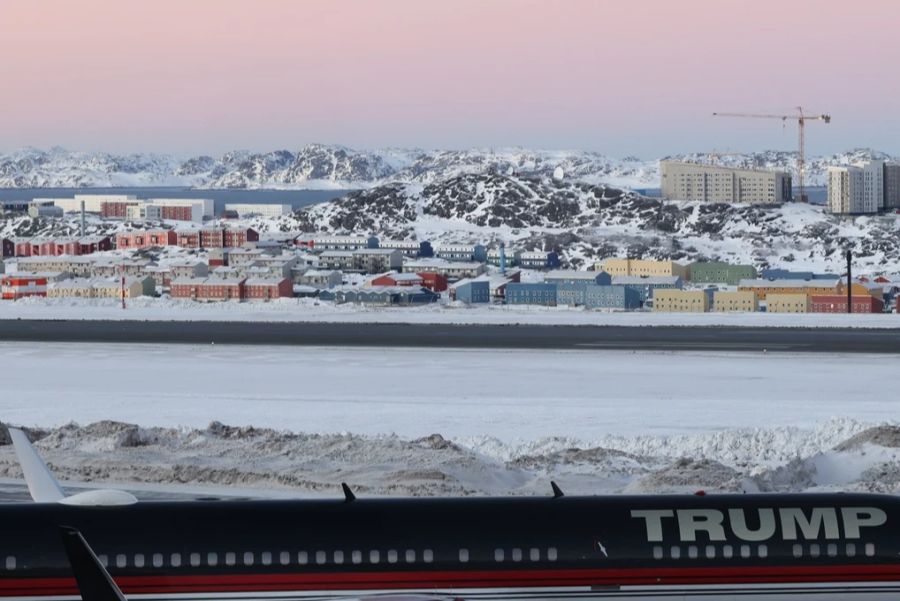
{"points": [[622, 77]]}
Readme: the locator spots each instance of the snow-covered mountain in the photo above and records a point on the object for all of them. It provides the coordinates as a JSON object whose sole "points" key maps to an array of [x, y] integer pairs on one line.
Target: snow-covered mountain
{"points": [[318, 166]]}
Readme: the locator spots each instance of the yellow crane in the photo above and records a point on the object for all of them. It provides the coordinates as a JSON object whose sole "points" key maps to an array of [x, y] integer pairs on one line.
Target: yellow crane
{"points": [[801, 119]]}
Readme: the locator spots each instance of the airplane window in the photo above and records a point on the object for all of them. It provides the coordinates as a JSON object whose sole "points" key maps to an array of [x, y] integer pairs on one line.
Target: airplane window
{"points": [[356, 557], [121, 561], [157, 560], [410, 556], [248, 558], [139, 560], [10, 562], [534, 554], [710, 551], [302, 558], [551, 553], [498, 554], [517, 554], [338, 557], [798, 550], [392, 556], [692, 552], [195, 559], [320, 557], [104, 560], [657, 552], [745, 551], [814, 550], [763, 551], [870, 550], [285, 558], [727, 551], [374, 556], [212, 559], [176, 560], [428, 555], [266, 558], [832, 550], [463, 555], [676, 552], [851, 549], [230, 559]]}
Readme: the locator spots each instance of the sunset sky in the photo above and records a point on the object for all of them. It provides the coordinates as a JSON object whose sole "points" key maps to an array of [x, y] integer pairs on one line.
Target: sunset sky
{"points": [[621, 77]]}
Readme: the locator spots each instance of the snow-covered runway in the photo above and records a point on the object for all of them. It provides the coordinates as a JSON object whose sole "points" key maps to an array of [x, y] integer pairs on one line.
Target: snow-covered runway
{"points": [[510, 395]]}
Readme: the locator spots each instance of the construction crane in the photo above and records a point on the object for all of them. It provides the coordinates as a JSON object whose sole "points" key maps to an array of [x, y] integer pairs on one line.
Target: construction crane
{"points": [[801, 123]]}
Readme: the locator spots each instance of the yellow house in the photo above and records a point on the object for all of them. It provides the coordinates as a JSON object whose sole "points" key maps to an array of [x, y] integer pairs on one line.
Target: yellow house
{"points": [[680, 301], [741, 300], [643, 268], [787, 303]]}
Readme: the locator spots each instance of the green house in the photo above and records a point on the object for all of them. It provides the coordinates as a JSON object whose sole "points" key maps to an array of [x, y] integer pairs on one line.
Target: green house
{"points": [[718, 272]]}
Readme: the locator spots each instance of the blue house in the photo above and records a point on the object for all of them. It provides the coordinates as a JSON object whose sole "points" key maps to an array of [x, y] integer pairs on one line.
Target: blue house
{"points": [[645, 286], [473, 291], [570, 276], [531, 294]]}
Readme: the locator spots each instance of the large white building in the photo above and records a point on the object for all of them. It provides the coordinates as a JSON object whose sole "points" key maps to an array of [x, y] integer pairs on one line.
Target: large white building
{"points": [[711, 183], [856, 189], [262, 210], [93, 203]]}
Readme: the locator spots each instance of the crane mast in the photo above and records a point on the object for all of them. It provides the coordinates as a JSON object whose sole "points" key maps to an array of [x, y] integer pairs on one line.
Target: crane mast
{"points": [[801, 119]]}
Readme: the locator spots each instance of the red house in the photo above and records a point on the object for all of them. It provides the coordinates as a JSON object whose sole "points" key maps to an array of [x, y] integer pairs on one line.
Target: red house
{"points": [[188, 238], [19, 285], [235, 238], [837, 303], [213, 237], [93, 244], [146, 239], [398, 279], [433, 281], [268, 288], [115, 209], [207, 289]]}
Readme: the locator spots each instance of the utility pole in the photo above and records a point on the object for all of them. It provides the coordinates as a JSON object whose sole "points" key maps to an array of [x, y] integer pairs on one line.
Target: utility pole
{"points": [[122, 270], [849, 279]]}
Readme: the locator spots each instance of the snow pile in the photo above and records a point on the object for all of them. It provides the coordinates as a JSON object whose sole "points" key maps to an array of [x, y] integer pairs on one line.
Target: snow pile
{"points": [[246, 457]]}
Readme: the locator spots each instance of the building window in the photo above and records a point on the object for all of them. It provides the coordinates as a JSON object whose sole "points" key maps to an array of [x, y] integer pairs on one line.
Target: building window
{"points": [[463, 555], [212, 559], [195, 559], [157, 560], [320, 557], [139, 560], [498, 555], [374, 557]]}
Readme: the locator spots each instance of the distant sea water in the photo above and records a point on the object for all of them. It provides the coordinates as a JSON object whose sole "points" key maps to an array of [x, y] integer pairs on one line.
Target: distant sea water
{"points": [[296, 198]]}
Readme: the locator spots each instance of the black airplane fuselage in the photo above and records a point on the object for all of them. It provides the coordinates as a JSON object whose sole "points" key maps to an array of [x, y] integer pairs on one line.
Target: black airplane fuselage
{"points": [[590, 547]]}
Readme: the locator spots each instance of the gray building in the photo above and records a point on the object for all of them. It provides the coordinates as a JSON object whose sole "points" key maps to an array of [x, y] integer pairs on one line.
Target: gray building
{"points": [[472, 291], [569, 276], [710, 183], [531, 294], [891, 186], [320, 278], [380, 295], [337, 259], [41, 210], [377, 260]]}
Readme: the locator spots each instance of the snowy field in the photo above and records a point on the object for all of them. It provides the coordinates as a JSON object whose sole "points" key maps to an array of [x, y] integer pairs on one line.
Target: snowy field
{"points": [[412, 421], [310, 310]]}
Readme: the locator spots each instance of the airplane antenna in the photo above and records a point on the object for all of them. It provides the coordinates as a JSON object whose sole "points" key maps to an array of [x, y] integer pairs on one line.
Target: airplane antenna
{"points": [[348, 494], [557, 491]]}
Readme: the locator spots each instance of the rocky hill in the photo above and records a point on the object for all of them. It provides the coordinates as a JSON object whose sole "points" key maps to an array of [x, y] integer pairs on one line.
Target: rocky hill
{"points": [[590, 221]]}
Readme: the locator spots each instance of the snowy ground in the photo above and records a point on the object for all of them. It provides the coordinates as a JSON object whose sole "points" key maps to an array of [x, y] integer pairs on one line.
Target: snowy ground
{"points": [[311, 310], [404, 421]]}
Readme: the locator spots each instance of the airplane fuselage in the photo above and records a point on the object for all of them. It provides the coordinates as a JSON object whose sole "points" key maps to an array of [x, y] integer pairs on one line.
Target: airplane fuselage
{"points": [[547, 548]]}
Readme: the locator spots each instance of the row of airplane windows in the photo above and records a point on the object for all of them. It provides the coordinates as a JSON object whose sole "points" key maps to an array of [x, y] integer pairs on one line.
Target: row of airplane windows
{"points": [[762, 551], [267, 558]]}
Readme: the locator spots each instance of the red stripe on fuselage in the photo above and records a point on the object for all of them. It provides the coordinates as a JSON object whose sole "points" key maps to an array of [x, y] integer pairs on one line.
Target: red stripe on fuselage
{"points": [[465, 579]]}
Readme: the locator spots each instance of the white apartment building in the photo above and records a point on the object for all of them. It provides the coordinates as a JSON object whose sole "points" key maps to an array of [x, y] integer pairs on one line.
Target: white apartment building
{"points": [[710, 183], [93, 203], [261, 210], [856, 189]]}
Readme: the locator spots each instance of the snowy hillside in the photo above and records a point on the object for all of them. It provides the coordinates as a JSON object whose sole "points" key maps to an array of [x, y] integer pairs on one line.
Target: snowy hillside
{"points": [[319, 166], [588, 222]]}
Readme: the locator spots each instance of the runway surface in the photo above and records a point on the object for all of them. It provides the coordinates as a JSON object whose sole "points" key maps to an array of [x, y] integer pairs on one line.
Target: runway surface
{"points": [[826, 340]]}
